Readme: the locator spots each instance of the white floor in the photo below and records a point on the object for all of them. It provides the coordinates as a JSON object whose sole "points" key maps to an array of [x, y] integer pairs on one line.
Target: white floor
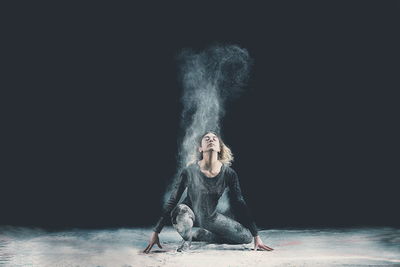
{"points": [[123, 248]]}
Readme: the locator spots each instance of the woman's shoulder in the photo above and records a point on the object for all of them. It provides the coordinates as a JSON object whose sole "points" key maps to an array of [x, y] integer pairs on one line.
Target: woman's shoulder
{"points": [[229, 170], [228, 167], [189, 168]]}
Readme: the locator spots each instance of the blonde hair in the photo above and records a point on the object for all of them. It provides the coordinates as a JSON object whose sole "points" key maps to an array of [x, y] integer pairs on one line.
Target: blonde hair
{"points": [[225, 155]]}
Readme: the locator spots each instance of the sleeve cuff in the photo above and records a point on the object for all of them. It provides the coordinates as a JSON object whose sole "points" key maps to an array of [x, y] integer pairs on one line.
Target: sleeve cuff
{"points": [[253, 229], [159, 225]]}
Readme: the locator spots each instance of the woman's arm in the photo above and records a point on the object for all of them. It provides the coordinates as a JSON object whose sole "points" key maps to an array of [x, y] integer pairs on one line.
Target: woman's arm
{"points": [[239, 204], [179, 187], [238, 201]]}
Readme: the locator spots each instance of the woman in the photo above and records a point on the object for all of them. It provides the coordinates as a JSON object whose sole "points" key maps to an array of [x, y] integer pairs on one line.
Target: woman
{"points": [[206, 181]]}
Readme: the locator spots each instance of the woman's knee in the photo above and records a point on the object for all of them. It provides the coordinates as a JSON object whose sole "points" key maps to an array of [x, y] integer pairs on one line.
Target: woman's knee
{"points": [[244, 234], [181, 209], [232, 231], [248, 238], [242, 238], [182, 218]]}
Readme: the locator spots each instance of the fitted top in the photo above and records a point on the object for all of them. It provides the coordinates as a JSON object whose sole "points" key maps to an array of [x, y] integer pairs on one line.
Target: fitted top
{"points": [[203, 194]]}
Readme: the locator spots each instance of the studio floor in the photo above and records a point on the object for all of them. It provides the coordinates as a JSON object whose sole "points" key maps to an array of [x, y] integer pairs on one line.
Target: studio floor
{"points": [[123, 248]]}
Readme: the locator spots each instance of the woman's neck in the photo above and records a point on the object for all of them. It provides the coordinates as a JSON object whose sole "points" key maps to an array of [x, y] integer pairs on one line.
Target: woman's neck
{"points": [[210, 161]]}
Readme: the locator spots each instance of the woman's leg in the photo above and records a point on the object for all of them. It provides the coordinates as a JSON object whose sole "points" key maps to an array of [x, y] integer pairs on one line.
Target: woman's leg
{"points": [[231, 231], [204, 235], [183, 218]]}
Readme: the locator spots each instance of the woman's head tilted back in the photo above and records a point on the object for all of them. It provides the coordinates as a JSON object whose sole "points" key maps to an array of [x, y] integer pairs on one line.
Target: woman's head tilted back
{"points": [[204, 144]]}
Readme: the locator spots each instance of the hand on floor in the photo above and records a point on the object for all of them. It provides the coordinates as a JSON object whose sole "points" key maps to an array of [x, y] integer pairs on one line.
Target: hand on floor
{"points": [[258, 244], [153, 240]]}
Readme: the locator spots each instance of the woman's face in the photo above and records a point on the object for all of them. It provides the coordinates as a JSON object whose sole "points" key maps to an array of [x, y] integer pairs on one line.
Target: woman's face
{"points": [[210, 142]]}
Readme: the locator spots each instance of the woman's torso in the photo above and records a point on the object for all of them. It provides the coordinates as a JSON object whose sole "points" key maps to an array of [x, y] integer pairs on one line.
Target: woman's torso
{"points": [[204, 192]]}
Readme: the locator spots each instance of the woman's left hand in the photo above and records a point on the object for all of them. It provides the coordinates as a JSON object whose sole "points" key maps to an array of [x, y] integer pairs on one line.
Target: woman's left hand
{"points": [[258, 244]]}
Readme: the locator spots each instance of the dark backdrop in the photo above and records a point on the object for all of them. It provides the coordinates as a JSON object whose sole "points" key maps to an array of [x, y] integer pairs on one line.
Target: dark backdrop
{"points": [[91, 110]]}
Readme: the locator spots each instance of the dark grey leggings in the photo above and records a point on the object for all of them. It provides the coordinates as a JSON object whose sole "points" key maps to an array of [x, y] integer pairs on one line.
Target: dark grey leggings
{"points": [[219, 230]]}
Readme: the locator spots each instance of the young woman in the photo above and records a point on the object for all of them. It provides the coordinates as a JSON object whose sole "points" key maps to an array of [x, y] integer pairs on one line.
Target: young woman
{"points": [[206, 180]]}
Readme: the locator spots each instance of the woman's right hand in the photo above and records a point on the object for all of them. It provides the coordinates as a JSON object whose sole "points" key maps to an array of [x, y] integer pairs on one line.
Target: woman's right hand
{"points": [[153, 240]]}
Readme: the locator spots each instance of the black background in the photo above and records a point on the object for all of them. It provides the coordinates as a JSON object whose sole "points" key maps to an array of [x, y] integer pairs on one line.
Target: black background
{"points": [[91, 110]]}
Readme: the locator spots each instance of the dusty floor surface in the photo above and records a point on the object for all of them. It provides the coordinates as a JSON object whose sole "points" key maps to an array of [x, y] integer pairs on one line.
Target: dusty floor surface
{"points": [[123, 248]]}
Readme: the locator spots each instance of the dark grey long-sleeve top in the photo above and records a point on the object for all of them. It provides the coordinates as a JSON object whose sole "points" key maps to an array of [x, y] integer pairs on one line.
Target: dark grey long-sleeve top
{"points": [[203, 194]]}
